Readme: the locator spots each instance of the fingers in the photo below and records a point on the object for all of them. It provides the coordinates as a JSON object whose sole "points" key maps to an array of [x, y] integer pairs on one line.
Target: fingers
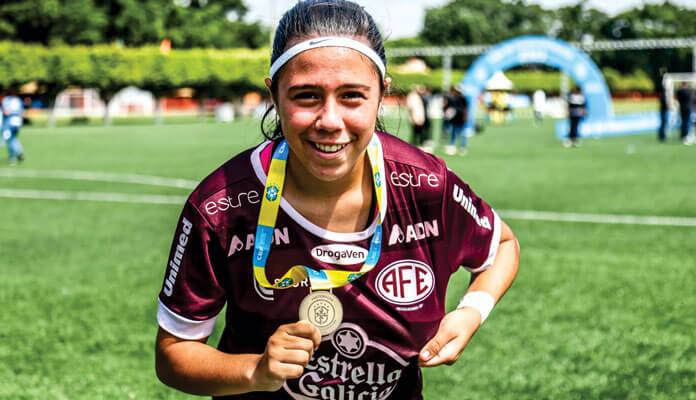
{"points": [[439, 350], [306, 330], [294, 343], [433, 354], [455, 330], [288, 351], [296, 353], [280, 369]]}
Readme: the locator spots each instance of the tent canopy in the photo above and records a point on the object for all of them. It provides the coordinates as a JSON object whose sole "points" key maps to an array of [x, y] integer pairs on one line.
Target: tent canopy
{"points": [[499, 82]]}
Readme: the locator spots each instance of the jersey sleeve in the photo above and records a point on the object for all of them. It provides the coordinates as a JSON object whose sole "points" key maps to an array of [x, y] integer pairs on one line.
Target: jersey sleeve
{"points": [[473, 227], [191, 295]]}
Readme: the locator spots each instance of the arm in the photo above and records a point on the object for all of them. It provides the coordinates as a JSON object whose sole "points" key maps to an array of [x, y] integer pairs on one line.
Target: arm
{"points": [[194, 367], [192, 289], [458, 326]]}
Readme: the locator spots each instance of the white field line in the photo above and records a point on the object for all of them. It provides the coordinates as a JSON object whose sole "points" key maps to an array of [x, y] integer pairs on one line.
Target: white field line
{"points": [[597, 218], [189, 184], [509, 214], [100, 176], [93, 196]]}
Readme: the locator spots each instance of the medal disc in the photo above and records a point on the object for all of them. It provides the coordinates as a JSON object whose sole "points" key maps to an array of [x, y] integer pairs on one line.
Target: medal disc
{"points": [[323, 310]]}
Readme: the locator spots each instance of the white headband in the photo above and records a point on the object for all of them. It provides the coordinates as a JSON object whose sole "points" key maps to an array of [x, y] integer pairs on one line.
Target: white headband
{"points": [[327, 41]]}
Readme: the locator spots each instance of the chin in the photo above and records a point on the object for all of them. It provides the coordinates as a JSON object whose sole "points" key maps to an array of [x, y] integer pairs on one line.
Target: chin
{"points": [[329, 174], [328, 177], [328, 170]]}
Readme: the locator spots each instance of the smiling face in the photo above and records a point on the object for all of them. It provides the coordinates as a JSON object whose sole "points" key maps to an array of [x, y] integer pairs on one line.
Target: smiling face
{"points": [[327, 99]]}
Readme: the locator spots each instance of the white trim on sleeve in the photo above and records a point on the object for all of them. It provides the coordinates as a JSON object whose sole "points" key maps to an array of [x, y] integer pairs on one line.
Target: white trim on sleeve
{"points": [[493, 250], [183, 327]]}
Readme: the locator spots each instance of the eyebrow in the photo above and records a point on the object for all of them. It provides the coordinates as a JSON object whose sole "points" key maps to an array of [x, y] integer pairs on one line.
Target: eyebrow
{"points": [[314, 87]]}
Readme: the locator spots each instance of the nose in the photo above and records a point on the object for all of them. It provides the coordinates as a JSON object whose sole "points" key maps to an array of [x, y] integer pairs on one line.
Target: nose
{"points": [[330, 118]]}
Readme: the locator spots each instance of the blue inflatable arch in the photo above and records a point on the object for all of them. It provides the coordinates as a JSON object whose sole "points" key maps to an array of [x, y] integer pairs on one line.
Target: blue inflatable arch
{"points": [[539, 50]]}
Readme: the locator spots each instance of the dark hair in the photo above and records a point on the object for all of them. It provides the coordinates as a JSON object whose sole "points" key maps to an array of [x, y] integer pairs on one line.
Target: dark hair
{"points": [[324, 18]]}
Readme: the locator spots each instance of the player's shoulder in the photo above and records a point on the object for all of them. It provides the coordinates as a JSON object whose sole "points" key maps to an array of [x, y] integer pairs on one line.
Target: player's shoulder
{"points": [[235, 175], [408, 166], [398, 151]]}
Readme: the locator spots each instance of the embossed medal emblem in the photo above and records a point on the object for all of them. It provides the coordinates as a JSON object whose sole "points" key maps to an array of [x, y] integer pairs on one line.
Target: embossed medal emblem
{"points": [[323, 310]]}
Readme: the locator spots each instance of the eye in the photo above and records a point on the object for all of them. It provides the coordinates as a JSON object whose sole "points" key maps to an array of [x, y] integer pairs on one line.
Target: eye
{"points": [[305, 96], [354, 95]]}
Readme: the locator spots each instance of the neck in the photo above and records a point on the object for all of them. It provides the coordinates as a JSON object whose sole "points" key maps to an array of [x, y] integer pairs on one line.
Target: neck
{"points": [[299, 180], [342, 205]]}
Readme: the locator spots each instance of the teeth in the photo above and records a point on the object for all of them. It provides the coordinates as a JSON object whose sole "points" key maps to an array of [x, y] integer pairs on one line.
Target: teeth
{"points": [[329, 148]]}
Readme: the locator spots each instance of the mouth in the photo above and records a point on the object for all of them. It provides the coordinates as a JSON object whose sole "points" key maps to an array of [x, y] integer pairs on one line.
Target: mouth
{"points": [[329, 148]]}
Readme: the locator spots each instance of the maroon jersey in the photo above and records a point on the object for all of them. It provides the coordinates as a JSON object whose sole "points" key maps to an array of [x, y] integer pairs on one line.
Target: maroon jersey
{"points": [[433, 225]]}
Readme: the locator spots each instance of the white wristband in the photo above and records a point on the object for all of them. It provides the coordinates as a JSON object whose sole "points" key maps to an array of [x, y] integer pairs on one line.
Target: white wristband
{"points": [[481, 301]]}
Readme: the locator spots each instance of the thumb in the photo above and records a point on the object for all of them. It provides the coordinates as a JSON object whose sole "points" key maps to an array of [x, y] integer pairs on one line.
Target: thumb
{"points": [[432, 348]]}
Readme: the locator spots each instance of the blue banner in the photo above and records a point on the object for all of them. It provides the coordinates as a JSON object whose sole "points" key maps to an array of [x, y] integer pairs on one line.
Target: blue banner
{"points": [[626, 124]]}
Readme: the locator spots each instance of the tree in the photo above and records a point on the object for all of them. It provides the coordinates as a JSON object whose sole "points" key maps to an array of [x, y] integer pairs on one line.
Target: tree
{"points": [[51, 21], [578, 23], [463, 22], [188, 23], [135, 22], [212, 23], [466, 22], [650, 21]]}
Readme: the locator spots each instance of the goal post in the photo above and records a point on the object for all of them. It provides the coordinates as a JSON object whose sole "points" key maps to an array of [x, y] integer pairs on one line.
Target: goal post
{"points": [[672, 80]]}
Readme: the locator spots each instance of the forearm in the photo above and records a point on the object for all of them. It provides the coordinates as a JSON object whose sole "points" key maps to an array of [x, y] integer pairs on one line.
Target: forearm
{"points": [[497, 279], [197, 368], [458, 326]]}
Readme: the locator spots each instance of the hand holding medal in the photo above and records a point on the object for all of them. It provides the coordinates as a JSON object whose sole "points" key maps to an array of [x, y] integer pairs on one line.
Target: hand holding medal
{"points": [[321, 307]]}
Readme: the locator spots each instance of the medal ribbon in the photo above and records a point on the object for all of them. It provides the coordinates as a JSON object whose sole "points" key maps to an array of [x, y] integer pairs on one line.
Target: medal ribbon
{"points": [[318, 279]]}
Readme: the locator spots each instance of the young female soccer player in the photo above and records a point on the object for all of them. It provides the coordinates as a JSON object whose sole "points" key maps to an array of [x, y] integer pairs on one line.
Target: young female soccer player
{"points": [[331, 244]]}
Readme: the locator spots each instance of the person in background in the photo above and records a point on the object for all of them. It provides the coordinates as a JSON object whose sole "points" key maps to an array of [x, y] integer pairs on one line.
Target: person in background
{"points": [[664, 115], [13, 114], [685, 97], [447, 116], [455, 113], [2, 129], [538, 104], [428, 145], [664, 107], [498, 104], [416, 114], [577, 109], [261, 237]]}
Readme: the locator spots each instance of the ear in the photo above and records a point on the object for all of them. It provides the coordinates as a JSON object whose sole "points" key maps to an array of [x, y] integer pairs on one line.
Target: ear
{"points": [[268, 83], [386, 82]]}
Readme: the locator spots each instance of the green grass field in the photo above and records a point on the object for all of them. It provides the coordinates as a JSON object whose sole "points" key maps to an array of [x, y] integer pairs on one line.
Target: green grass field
{"points": [[598, 311]]}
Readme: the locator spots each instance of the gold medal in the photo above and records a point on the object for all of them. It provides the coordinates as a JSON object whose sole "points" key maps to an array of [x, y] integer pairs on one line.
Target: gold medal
{"points": [[323, 310]]}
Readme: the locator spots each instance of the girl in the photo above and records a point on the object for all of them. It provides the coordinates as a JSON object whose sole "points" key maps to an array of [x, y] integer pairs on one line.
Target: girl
{"points": [[331, 244]]}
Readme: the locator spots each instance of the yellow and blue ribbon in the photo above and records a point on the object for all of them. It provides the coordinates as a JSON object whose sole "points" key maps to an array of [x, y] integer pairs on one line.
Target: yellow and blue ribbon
{"points": [[270, 203]]}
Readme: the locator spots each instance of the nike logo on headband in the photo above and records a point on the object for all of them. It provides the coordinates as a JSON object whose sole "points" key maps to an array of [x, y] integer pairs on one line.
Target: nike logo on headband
{"points": [[313, 42]]}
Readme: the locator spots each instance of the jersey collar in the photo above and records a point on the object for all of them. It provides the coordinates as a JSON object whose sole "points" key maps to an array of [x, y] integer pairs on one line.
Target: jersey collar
{"points": [[258, 167]]}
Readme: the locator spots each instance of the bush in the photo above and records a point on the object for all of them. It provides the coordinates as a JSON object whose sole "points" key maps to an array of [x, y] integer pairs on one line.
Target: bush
{"points": [[212, 73], [528, 81], [111, 68]]}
